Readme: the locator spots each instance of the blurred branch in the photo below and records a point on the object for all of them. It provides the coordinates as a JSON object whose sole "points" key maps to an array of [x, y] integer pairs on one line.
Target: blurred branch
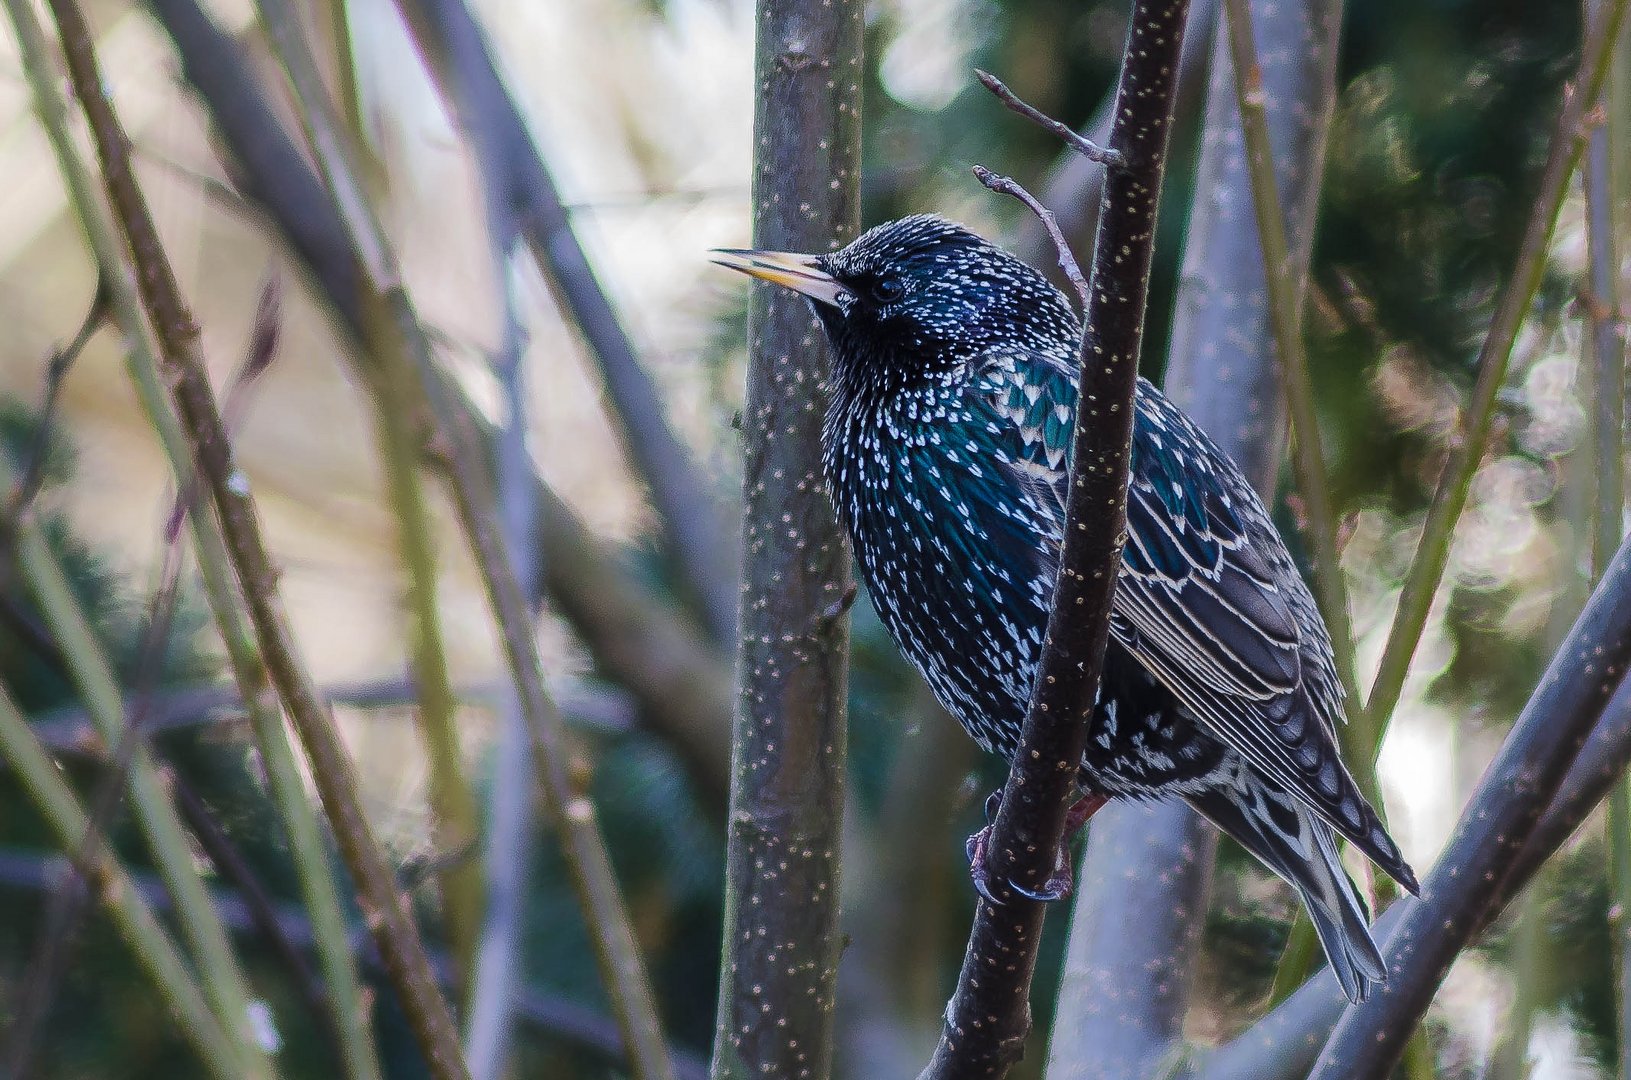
{"points": [[93, 676], [462, 64], [683, 687], [152, 948], [452, 799], [1574, 125], [782, 940], [1146, 874], [988, 1017], [186, 372], [557, 1017], [1503, 811], [1284, 1044], [307, 848], [509, 800], [403, 349], [69, 730], [1287, 283], [1604, 367]]}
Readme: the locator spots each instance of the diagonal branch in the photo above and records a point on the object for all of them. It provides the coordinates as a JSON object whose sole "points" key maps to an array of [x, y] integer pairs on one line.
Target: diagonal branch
{"points": [[1568, 143], [184, 365], [1501, 815], [462, 64], [988, 1016]]}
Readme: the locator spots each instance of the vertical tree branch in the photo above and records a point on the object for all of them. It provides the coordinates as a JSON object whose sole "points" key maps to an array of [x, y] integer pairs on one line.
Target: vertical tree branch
{"points": [[1286, 285], [988, 1017], [462, 64], [384, 904], [1143, 891], [779, 972], [509, 802]]}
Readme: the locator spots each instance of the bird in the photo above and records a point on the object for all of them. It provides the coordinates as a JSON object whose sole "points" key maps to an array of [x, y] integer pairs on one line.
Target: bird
{"points": [[946, 452]]}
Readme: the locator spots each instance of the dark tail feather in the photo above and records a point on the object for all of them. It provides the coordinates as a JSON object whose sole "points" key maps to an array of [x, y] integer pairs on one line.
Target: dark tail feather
{"points": [[1301, 848]]}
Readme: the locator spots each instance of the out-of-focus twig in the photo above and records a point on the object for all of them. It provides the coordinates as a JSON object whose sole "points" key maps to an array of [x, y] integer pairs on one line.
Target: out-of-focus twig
{"points": [[509, 803], [114, 889], [1287, 283], [178, 337], [1604, 363], [402, 347], [460, 60], [1574, 125]]}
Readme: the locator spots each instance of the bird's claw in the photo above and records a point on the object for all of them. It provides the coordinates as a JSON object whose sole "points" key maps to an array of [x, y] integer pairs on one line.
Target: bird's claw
{"points": [[1057, 887], [1059, 883]]}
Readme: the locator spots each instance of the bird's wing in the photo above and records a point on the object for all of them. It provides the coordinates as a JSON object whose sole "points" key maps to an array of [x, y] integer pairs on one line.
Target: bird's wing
{"points": [[1204, 601]]}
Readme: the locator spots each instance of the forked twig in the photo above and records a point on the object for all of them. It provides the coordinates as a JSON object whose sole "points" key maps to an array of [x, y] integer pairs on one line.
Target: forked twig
{"points": [[1007, 185]]}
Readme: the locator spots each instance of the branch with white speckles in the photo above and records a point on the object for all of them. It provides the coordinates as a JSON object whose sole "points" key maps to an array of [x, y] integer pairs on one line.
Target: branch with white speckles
{"points": [[988, 1017]]}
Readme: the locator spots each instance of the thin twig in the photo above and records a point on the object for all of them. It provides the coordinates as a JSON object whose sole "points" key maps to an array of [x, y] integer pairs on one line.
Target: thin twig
{"points": [[307, 848], [1285, 294], [405, 353], [147, 940], [1005, 185], [1081, 144], [1568, 143], [332, 771], [988, 1016], [35, 460], [695, 525]]}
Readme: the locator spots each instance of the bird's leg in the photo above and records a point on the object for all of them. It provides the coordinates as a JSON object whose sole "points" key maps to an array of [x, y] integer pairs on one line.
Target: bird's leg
{"points": [[1059, 884]]}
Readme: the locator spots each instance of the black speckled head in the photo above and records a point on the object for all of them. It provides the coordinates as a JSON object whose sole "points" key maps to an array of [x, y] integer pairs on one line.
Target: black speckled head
{"points": [[916, 298]]}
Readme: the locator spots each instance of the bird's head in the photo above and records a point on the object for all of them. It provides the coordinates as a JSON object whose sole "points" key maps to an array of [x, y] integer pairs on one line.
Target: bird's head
{"points": [[915, 299]]}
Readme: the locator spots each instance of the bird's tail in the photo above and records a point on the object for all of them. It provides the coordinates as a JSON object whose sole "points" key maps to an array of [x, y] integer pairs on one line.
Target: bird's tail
{"points": [[1291, 841]]}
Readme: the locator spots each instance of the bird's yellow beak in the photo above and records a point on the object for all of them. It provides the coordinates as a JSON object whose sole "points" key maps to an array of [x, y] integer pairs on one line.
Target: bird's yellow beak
{"points": [[785, 268]]}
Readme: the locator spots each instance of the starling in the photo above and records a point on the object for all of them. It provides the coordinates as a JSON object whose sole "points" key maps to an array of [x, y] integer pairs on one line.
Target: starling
{"points": [[946, 447]]}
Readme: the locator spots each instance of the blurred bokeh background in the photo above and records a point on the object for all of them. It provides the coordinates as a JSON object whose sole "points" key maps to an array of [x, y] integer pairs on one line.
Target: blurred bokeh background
{"points": [[643, 109]]}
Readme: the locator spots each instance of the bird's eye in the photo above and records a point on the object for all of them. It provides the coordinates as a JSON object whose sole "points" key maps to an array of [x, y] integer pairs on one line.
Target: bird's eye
{"points": [[888, 290]]}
